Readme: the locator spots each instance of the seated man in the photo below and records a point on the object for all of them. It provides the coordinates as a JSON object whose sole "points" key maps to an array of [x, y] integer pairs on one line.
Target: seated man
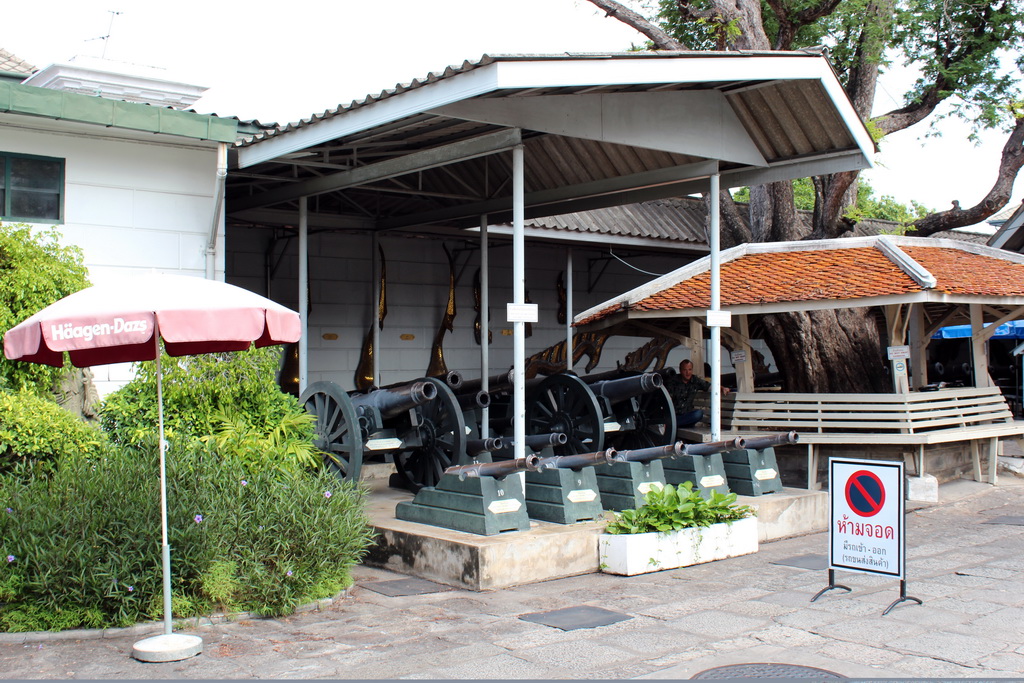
{"points": [[683, 388]]}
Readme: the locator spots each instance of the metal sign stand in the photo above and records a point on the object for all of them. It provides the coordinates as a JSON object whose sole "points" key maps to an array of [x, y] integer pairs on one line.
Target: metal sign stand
{"points": [[832, 585], [871, 493]]}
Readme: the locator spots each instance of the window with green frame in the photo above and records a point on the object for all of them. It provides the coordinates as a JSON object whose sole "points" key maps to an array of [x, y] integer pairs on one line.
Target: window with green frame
{"points": [[32, 188]]}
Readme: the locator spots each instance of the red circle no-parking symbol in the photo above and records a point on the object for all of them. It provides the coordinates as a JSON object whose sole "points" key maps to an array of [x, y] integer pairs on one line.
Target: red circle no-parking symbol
{"points": [[864, 493]]}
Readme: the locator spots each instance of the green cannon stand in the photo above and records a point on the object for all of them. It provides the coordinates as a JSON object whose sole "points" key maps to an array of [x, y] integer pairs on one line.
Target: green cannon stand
{"points": [[485, 505], [752, 472], [707, 472], [563, 496], [623, 485]]}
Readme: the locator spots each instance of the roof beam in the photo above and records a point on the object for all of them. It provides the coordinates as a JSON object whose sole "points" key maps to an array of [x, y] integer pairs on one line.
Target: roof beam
{"points": [[417, 161], [557, 198]]}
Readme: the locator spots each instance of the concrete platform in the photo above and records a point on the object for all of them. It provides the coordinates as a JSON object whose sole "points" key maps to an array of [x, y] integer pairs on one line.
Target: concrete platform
{"points": [[547, 551]]}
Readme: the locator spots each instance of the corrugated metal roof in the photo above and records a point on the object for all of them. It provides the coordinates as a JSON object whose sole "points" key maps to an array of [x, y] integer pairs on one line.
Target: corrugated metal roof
{"points": [[683, 219], [585, 123]]}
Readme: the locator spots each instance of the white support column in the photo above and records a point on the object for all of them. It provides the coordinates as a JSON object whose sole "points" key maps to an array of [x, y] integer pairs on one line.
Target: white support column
{"points": [[716, 330], [485, 298], [745, 371], [918, 346], [303, 294], [375, 305], [518, 297], [979, 355], [568, 308]]}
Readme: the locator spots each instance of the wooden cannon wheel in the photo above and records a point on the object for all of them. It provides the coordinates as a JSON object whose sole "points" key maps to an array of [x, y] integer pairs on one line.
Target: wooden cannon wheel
{"points": [[654, 421], [441, 433], [336, 429], [564, 403]]}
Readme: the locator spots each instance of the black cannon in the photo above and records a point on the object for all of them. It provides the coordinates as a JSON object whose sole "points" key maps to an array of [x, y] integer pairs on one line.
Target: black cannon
{"points": [[578, 461], [419, 423], [476, 447], [759, 443], [499, 469]]}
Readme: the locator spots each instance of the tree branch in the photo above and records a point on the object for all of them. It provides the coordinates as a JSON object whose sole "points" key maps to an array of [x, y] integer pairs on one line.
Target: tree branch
{"points": [[1009, 166], [905, 117], [791, 22], [661, 39]]}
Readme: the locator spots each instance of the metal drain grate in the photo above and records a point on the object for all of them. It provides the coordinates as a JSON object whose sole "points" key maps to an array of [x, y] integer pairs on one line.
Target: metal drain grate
{"points": [[764, 670], [572, 618]]}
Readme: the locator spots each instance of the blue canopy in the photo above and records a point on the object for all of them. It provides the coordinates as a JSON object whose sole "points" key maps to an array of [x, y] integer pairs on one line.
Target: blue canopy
{"points": [[1011, 330]]}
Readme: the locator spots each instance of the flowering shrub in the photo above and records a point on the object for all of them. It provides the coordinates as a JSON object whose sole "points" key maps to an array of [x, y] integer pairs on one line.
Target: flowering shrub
{"points": [[263, 541]]}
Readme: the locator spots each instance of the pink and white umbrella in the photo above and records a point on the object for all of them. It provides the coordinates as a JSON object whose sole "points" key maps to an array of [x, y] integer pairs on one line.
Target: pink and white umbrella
{"points": [[123, 321]]}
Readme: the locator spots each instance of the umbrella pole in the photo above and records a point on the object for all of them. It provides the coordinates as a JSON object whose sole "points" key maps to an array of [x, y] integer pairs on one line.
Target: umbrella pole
{"points": [[165, 547], [167, 647]]}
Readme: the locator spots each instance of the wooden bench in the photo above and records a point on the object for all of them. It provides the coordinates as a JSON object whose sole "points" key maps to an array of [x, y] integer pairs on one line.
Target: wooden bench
{"points": [[918, 418]]}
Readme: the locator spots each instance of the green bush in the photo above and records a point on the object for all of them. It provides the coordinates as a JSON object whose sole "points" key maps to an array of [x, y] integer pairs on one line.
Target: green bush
{"points": [[37, 430], [37, 271], [678, 507], [228, 397], [261, 541]]}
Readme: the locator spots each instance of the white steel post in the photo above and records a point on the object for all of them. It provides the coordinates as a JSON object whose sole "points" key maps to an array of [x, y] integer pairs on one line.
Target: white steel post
{"points": [[485, 298], [518, 297], [303, 293], [716, 331], [568, 309], [375, 307]]}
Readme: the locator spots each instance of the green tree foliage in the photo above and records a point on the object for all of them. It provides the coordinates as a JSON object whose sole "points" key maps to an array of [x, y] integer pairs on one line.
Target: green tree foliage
{"points": [[869, 205], [35, 271]]}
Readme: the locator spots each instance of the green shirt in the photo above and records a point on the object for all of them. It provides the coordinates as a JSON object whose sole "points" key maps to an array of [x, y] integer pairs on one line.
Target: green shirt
{"points": [[683, 392]]}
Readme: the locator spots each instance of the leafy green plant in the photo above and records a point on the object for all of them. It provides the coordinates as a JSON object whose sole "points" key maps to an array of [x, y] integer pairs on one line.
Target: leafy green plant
{"points": [[263, 541], [36, 271], [38, 431], [678, 507], [230, 399]]}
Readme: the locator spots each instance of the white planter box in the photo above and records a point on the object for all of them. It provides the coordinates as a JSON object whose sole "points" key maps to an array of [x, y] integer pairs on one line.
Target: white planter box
{"points": [[630, 554]]}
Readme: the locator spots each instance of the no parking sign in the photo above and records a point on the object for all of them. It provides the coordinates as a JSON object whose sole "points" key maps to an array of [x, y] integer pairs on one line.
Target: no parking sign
{"points": [[866, 531]]}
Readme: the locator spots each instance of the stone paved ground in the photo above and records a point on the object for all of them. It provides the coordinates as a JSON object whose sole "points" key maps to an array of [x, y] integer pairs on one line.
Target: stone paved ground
{"points": [[744, 610]]}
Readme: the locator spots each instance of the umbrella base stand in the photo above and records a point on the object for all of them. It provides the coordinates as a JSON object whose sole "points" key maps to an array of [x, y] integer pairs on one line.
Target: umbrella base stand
{"points": [[168, 647]]}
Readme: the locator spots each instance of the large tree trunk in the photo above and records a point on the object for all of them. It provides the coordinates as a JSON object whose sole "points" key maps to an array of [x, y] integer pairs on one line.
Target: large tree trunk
{"points": [[824, 351]]}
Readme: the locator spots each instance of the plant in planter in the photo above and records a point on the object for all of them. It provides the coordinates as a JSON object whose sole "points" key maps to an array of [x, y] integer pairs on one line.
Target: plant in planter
{"points": [[677, 527]]}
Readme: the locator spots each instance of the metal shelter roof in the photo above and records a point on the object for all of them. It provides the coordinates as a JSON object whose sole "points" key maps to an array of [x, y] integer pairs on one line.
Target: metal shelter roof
{"points": [[944, 275], [598, 131]]}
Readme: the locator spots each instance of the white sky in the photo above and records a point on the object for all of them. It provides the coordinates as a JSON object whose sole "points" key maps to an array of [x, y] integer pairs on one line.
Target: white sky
{"points": [[281, 62]]}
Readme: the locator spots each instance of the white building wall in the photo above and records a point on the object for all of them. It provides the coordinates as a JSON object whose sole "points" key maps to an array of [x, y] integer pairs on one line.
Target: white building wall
{"points": [[417, 293], [130, 204]]}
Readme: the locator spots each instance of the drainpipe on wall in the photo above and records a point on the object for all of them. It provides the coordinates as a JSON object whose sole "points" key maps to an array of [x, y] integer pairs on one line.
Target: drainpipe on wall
{"points": [[217, 220]]}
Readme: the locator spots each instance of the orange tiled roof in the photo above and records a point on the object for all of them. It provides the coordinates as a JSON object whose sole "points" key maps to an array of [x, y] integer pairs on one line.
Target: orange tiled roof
{"points": [[790, 276], [832, 274], [960, 272]]}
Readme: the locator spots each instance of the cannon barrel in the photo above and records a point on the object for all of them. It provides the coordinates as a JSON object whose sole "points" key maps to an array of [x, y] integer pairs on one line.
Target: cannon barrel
{"points": [[453, 378], [392, 402], [759, 443], [494, 383], [536, 442], [575, 462], [497, 469], [616, 390], [644, 455], [715, 446], [473, 400], [475, 447]]}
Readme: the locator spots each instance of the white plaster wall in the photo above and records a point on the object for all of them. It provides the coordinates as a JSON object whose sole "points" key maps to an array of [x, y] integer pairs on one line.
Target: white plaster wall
{"points": [[417, 292], [130, 204]]}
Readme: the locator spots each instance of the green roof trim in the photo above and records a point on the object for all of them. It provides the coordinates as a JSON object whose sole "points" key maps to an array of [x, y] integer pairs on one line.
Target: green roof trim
{"points": [[16, 98]]}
